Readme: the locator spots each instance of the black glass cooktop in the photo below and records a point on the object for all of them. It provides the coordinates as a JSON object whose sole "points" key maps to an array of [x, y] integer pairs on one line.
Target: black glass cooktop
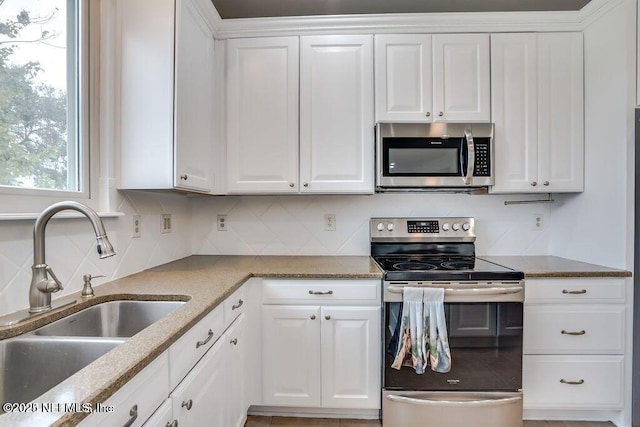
{"points": [[447, 267]]}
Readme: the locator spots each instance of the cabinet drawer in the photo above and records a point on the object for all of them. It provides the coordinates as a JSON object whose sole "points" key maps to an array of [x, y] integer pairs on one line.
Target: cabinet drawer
{"points": [[547, 382], [321, 291], [185, 352], [138, 399], [235, 304], [576, 328], [585, 290]]}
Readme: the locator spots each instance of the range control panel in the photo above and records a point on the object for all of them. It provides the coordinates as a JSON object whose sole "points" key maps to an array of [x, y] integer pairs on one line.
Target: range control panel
{"points": [[448, 229]]}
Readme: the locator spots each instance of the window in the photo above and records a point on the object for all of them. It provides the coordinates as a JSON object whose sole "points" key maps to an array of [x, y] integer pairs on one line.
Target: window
{"points": [[43, 143]]}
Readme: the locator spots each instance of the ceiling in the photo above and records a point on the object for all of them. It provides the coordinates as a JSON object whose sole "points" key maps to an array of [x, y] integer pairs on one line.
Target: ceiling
{"points": [[275, 8]]}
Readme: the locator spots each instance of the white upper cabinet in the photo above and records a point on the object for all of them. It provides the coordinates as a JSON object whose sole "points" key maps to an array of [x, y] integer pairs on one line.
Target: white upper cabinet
{"points": [[403, 80], [166, 116], [336, 114], [537, 108], [461, 78], [262, 115]]}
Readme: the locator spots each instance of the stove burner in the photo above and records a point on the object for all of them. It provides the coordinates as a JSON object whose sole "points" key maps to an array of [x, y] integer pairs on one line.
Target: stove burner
{"points": [[413, 266], [458, 265]]}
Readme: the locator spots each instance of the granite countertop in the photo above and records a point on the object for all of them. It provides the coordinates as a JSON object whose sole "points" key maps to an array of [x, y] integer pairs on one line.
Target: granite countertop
{"points": [[553, 266], [204, 282]]}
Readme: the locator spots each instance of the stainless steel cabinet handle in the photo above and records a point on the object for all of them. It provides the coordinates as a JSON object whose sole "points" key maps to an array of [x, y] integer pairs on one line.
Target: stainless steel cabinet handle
{"points": [[581, 291], [546, 183], [533, 184], [428, 114], [582, 332], [234, 341], [313, 317], [327, 317], [440, 114], [291, 184], [209, 336], [184, 177], [238, 305], [188, 404], [173, 423], [134, 416], [563, 381], [320, 293]]}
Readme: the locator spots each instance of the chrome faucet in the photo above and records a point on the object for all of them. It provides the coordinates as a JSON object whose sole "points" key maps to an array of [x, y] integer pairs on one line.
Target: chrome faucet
{"points": [[41, 285]]}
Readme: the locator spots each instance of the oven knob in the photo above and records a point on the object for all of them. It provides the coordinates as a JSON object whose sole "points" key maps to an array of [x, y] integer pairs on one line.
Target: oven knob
{"points": [[455, 226], [380, 226], [445, 226], [390, 227], [466, 226]]}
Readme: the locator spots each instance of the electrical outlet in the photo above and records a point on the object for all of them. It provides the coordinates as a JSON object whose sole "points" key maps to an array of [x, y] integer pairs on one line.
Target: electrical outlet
{"points": [[166, 223], [329, 222], [136, 231], [538, 222], [222, 222]]}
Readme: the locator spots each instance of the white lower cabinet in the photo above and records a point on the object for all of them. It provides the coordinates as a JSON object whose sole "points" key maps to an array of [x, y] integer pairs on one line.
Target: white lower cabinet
{"points": [[574, 344], [321, 356]]}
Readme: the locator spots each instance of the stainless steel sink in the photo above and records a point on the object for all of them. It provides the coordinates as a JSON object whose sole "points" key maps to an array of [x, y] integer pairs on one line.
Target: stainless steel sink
{"points": [[30, 365], [110, 319]]}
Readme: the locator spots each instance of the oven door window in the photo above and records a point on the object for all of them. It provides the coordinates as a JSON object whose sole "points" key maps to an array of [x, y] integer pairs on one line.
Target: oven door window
{"points": [[486, 349], [423, 157]]}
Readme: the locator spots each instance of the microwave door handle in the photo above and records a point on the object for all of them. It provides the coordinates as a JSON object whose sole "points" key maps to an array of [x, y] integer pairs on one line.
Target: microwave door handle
{"points": [[471, 156]]}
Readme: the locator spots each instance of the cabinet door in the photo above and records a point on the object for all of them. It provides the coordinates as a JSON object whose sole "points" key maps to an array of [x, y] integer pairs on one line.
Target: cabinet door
{"points": [[514, 109], [461, 78], [236, 367], [351, 357], [291, 355], [163, 416], [561, 109], [194, 99], [336, 114], [262, 115], [403, 82], [201, 398]]}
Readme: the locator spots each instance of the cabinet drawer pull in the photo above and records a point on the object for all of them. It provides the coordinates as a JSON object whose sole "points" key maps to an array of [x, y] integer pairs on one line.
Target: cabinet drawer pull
{"points": [[173, 423], [134, 416], [209, 336], [188, 404], [238, 305], [234, 341], [313, 317], [320, 293], [581, 291], [184, 177], [440, 114], [563, 381], [582, 332], [428, 114]]}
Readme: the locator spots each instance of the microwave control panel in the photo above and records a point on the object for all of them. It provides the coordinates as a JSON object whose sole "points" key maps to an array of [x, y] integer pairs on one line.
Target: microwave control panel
{"points": [[482, 166]]}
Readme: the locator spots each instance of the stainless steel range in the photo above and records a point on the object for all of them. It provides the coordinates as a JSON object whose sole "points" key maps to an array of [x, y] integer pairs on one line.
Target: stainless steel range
{"points": [[483, 311]]}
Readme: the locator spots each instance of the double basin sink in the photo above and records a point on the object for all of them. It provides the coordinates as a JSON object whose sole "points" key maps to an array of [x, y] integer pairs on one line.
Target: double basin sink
{"points": [[37, 361]]}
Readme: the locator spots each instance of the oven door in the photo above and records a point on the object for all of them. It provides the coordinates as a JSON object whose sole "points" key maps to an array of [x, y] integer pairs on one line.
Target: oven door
{"points": [[485, 339]]}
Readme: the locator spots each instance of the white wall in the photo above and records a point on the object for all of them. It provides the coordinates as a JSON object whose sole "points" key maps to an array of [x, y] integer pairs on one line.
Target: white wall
{"points": [[595, 226], [71, 249], [293, 225]]}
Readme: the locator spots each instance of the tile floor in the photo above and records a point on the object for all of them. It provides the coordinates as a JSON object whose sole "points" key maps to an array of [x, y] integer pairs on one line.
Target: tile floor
{"points": [[258, 421]]}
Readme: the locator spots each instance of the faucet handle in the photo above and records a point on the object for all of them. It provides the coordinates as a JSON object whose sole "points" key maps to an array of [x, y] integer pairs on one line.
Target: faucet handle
{"points": [[53, 285]]}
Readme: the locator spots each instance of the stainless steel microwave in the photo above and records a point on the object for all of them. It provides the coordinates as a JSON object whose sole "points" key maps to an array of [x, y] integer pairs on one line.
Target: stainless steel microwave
{"points": [[417, 156]]}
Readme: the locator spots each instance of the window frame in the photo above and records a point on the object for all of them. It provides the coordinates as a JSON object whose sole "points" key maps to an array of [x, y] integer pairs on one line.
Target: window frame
{"points": [[84, 88]]}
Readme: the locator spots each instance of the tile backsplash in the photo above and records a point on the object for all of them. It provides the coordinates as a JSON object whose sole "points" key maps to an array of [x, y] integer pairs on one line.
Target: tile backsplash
{"points": [[71, 246], [294, 225]]}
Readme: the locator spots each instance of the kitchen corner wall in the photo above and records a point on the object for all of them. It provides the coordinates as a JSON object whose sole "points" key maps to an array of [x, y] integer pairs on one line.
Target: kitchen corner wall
{"points": [[71, 246], [293, 225]]}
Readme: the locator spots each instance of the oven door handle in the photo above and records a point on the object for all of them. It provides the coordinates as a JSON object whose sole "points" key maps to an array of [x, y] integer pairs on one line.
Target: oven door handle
{"points": [[469, 291], [463, 403]]}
